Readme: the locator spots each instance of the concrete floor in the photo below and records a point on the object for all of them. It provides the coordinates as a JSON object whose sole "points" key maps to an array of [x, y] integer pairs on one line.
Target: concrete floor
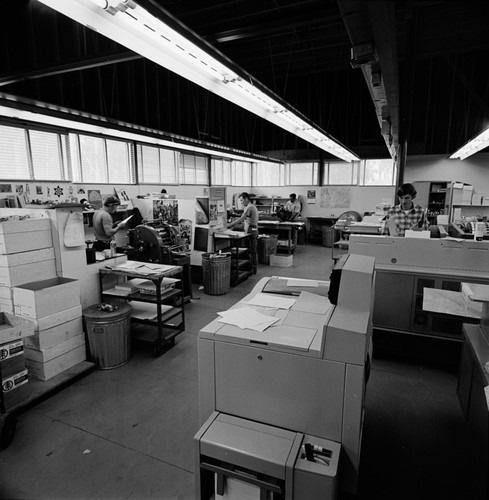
{"points": [[127, 433]]}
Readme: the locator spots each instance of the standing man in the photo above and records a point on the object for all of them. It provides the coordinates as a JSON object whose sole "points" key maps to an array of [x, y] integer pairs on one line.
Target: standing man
{"points": [[406, 215], [250, 220], [104, 228]]}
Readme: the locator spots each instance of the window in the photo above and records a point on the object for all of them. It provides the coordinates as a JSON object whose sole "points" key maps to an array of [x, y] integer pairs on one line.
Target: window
{"points": [[378, 173], [32, 154], [157, 165], [221, 172], [241, 173], [301, 174], [99, 160], [268, 174], [193, 169], [340, 173]]}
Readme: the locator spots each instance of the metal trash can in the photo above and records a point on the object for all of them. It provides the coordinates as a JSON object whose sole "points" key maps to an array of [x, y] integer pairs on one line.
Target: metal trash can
{"points": [[328, 234], [267, 245], [216, 273], [109, 335]]}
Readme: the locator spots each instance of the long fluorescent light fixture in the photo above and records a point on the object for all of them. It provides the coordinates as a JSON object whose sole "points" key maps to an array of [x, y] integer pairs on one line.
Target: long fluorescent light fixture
{"points": [[475, 145], [130, 25]]}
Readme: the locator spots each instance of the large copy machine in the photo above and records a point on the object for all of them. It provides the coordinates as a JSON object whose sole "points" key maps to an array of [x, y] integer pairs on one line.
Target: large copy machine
{"points": [[308, 372]]}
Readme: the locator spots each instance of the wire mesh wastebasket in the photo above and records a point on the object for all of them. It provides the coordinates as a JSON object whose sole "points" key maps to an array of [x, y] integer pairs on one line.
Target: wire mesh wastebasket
{"points": [[109, 335], [267, 245], [216, 273]]}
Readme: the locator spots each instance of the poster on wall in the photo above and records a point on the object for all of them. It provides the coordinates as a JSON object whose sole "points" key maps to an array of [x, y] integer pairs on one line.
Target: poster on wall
{"points": [[311, 196], [185, 230], [5, 188], [94, 198], [335, 197], [166, 210]]}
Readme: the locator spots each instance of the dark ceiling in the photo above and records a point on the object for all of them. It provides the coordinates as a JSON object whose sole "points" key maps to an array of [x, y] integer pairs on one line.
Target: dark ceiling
{"points": [[432, 56]]}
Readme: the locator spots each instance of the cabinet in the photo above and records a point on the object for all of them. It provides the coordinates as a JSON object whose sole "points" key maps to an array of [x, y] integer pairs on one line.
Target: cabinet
{"points": [[268, 204], [170, 314], [398, 306], [435, 196], [241, 249]]}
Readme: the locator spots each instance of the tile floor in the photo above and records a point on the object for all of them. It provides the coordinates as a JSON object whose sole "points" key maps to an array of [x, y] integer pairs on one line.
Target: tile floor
{"points": [[128, 433]]}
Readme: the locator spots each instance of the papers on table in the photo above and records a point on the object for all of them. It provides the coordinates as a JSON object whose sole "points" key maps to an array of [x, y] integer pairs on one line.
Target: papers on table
{"points": [[268, 300], [312, 303], [141, 268], [247, 318], [144, 310], [298, 282]]}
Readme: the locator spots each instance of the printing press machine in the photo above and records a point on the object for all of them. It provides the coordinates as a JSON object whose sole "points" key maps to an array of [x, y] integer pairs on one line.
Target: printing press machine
{"points": [[306, 374], [157, 241]]}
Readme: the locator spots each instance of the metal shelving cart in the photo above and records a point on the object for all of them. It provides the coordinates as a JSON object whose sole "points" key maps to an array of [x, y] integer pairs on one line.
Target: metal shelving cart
{"points": [[169, 322]]}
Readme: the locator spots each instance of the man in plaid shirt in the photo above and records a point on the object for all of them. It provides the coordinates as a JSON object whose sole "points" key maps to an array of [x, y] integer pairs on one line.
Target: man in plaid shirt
{"points": [[406, 215]]}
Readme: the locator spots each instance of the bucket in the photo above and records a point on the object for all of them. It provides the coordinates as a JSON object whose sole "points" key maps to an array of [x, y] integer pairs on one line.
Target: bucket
{"points": [[109, 335], [328, 236], [216, 273], [267, 245]]}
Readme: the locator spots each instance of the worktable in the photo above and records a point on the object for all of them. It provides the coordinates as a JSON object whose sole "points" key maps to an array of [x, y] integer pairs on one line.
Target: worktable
{"points": [[289, 229]]}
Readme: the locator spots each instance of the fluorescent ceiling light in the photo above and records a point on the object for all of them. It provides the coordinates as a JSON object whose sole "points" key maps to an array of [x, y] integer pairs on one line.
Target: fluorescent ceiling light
{"points": [[133, 27], [475, 145]]}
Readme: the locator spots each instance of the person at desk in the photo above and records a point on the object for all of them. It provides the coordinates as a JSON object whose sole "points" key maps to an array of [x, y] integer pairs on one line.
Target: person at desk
{"points": [[250, 222], [406, 215], [294, 206], [104, 228]]}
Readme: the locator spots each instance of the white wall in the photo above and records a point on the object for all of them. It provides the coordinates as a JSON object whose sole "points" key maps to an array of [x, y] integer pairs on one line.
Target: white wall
{"points": [[473, 170]]}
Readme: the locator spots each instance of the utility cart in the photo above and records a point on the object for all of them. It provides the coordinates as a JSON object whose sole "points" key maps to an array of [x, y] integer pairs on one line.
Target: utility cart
{"points": [[169, 320]]}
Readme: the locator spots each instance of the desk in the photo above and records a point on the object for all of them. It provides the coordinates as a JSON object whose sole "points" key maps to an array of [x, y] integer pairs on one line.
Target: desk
{"points": [[289, 228], [315, 225]]}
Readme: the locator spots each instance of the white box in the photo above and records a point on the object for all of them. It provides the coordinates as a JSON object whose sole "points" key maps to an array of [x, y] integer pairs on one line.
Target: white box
{"points": [[24, 267], [46, 371], [485, 200], [44, 339], [45, 355], [40, 324], [44, 298], [467, 192], [25, 235], [13, 328], [282, 260]]}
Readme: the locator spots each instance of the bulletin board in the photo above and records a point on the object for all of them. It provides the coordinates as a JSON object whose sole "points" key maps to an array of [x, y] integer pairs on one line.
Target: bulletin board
{"points": [[335, 197]]}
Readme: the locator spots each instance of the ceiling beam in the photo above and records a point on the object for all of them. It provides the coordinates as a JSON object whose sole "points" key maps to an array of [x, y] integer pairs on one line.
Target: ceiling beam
{"points": [[67, 67]]}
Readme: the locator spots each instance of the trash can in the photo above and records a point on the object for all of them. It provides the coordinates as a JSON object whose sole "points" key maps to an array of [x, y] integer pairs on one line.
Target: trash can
{"points": [[328, 234], [109, 334], [216, 273], [267, 245]]}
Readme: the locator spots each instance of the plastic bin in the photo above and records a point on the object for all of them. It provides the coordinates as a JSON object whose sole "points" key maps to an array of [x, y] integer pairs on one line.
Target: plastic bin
{"points": [[216, 273], [267, 245], [109, 335], [328, 234]]}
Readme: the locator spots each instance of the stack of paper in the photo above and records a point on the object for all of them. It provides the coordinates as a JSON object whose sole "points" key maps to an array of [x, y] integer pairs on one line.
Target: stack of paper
{"points": [[247, 318], [269, 300]]}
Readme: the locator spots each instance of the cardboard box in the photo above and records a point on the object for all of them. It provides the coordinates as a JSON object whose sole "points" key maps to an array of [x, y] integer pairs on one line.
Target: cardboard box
{"points": [[25, 267], [485, 200], [46, 355], [44, 339], [467, 192], [49, 369], [13, 328], [12, 365], [282, 260], [40, 324], [11, 349], [15, 388], [25, 235], [44, 298]]}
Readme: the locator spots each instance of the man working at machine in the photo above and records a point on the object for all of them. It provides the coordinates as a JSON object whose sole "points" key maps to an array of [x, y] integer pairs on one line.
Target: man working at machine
{"points": [[103, 225], [250, 220], [406, 215]]}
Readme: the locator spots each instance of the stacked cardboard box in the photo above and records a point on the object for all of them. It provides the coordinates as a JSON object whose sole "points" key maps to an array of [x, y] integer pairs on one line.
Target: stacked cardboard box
{"points": [[26, 254], [54, 307], [13, 373]]}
